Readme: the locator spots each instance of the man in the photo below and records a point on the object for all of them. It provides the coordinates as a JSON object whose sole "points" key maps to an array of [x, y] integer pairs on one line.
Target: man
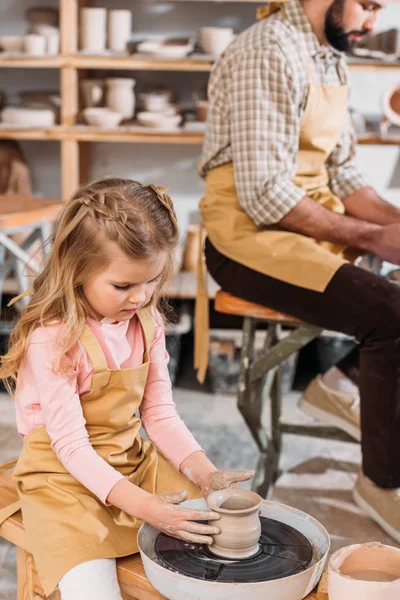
{"points": [[284, 204]]}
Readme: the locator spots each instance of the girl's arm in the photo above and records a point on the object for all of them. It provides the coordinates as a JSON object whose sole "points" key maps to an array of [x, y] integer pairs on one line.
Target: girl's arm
{"points": [[168, 432]]}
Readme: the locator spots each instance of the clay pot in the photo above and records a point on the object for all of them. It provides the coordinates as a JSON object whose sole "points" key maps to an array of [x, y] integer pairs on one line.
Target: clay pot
{"points": [[120, 96], [93, 29], [92, 92], [368, 571], [119, 29], [214, 40], [201, 110], [240, 522]]}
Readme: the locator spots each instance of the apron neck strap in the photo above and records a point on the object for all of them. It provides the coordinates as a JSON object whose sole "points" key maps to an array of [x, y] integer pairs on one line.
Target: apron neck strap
{"points": [[101, 373], [147, 323], [263, 12]]}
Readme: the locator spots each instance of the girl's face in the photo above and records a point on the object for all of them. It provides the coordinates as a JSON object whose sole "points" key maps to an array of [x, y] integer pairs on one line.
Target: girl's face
{"points": [[124, 285]]}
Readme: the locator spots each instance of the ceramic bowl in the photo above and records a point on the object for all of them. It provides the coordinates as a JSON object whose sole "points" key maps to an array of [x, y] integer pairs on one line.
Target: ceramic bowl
{"points": [[155, 101], [366, 571], [12, 43], [28, 117], [159, 120], [102, 117], [214, 40], [166, 47], [390, 104]]}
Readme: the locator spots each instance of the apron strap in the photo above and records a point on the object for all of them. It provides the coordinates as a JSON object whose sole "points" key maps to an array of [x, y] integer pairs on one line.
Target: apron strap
{"points": [[101, 372], [14, 507], [147, 323], [272, 7], [202, 317]]}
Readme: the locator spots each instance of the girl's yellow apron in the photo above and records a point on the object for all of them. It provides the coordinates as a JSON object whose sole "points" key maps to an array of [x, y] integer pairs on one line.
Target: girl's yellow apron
{"points": [[65, 523], [287, 256]]}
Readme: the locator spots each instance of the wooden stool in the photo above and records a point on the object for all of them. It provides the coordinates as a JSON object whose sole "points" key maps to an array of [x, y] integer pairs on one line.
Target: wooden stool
{"points": [[131, 576], [260, 380], [18, 215]]}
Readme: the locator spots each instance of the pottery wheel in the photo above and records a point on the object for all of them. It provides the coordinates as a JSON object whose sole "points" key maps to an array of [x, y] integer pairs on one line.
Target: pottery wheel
{"points": [[283, 551]]}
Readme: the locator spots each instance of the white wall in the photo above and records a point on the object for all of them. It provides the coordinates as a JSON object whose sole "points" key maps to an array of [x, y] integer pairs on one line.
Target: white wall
{"points": [[172, 165]]}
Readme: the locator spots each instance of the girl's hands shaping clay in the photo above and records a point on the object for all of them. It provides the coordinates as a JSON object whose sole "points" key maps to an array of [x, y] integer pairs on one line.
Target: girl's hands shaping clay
{"points": [[165, 515], [220, 480]]}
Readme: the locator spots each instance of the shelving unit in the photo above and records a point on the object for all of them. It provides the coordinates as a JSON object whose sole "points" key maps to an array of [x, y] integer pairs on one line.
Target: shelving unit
{"points": [[75, 140]]}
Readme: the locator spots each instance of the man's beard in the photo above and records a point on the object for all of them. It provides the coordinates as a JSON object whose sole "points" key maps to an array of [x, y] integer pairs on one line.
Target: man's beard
{"points": [[334, 30]]}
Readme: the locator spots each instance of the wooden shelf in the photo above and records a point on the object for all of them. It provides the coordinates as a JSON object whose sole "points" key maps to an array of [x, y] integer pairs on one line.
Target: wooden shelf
{"points": [[55, 133], [47, 62], [138, 63], [91, 134]]}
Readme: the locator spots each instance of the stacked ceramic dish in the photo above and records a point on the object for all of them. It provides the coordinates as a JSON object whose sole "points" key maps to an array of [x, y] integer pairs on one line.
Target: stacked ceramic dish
{"points": [[166, 48], [42, 37], [23, 118], [158, 110]]}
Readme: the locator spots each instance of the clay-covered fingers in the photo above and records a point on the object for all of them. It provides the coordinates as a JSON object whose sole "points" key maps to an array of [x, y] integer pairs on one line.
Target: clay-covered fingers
{"points": [[194, 538], [174, 498], [202, 529], [198, 515], [236, 476]]}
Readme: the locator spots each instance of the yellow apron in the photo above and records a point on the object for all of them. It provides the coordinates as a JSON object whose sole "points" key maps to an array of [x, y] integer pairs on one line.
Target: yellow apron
{"points": [[290, 257], [65, 523]]}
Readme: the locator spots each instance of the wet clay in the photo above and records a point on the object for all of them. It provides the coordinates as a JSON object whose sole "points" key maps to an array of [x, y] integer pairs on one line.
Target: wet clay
{"points": [[239, 524], [367, 571]]}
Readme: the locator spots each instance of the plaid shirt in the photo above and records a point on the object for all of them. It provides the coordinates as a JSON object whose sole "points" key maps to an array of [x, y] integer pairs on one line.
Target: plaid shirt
{"points": [[257, 96]]}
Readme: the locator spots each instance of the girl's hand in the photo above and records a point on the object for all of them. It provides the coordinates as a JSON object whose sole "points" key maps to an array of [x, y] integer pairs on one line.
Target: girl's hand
{"points": [[163, 513], [220, 480]]}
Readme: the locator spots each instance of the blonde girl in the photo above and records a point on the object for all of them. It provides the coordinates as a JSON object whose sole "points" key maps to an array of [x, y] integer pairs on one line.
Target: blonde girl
{"points": [[87, 355]]}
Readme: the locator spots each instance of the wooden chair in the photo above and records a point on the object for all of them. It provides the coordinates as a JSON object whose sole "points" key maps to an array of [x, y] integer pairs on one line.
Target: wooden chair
{"points": [[28, 219], [260, 380], [131, 576]]}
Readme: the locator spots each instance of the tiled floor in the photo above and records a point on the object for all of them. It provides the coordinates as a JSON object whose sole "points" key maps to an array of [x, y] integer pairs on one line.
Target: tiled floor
{"points": [[319, 474]]}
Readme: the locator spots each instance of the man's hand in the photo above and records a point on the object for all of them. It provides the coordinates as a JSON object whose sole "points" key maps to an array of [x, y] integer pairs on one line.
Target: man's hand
{"points": [[385, 243]]}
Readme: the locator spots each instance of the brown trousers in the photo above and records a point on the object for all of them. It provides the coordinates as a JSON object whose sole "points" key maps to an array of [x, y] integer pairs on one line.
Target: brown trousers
{"points": [[360, 304]]}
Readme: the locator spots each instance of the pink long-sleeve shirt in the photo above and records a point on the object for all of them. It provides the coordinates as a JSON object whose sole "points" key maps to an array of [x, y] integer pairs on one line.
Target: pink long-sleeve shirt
{"points": [[45, 397]]}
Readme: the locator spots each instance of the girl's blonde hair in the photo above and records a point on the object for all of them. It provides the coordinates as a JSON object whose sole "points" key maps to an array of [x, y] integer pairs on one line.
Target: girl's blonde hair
{"points": [[139, 219]]}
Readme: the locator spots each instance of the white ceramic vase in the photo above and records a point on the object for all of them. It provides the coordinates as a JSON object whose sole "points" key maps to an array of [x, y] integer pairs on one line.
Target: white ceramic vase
{"points": [[119, 29], [120, 96], [93, 29]]}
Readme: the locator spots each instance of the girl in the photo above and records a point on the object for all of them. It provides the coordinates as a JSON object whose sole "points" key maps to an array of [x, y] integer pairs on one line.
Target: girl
{"points": [[86, 354]]}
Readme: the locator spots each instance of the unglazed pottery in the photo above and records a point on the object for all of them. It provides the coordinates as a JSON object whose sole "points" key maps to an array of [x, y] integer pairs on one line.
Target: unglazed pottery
{"points": [[35, 44], [159, 120], [201, 110], [119, 29], [92, 91], [12, 43], [93, 29], [214, 40], [390, 103], [120, 96], [177, 586], [173, 48], [366, 571], [239, 524], [102, 117], [28, 117]]}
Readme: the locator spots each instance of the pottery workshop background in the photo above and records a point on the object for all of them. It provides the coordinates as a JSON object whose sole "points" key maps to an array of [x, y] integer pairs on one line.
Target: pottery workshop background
{"points": [[175, 165]]}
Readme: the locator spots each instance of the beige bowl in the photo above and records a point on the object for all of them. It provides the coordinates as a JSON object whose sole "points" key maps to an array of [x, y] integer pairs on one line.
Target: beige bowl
{"points": [[102, 117], [12, 43], [159, 120], [365, 572]]}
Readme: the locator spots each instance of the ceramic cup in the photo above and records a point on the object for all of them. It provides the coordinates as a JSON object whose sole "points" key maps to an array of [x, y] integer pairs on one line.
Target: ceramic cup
{"points": [[240, 523], [120, 95], [92, 92], [214, 40], [119, 29], [93, 29], [366, 571], [12, 43], [35, 44]]}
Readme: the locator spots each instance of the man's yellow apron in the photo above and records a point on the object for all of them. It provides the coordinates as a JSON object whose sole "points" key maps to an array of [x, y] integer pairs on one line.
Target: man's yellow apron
{"points": [[287, 256], [65, 523]]}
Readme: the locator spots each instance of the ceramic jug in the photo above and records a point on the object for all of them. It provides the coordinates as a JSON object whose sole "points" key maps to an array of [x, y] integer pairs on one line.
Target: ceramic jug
{"points": [[240, 523], [120, 96]]}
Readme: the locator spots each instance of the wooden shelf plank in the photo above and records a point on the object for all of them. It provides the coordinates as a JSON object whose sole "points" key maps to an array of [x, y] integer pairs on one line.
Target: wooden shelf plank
{"points": [[55, 133], [45, 62], [141, 63], [91, 134], [137, 63]]}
